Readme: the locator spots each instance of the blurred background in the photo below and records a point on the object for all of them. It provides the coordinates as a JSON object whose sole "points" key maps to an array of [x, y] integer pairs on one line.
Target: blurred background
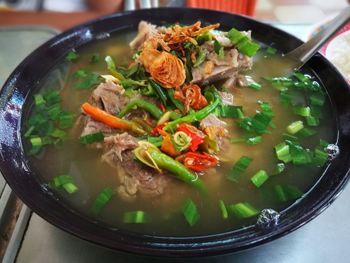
{"points": [[63, 14]]}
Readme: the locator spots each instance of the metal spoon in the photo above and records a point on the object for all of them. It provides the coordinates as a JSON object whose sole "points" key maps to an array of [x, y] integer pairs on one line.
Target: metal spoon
{"points": [[299, 56]]}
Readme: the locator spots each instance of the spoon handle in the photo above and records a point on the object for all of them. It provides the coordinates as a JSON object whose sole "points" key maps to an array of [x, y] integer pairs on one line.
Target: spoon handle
{"points": [[305, 51]]}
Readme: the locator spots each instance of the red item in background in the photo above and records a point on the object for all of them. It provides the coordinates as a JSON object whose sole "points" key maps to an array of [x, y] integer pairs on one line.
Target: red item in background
{"points": [[242, 7]]}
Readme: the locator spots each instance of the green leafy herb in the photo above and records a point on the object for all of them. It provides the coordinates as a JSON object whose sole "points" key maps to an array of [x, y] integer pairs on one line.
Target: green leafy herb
{"points": [[239, 168], [102, 199], [219, 50], [223, 209], [199, 59], [88, 81], [259, 178], [71, 56], [189, 210], [243, 210], [91, 138], [81, 73], [95, 58], [136, 217]]}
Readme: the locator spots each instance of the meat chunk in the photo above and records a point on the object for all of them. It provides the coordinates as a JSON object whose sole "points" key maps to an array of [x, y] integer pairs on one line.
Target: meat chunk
{"points": [[215, 68], [145, 31], [226, 97], [108, 96], [91, 126], [215, 128], [135, 178]]}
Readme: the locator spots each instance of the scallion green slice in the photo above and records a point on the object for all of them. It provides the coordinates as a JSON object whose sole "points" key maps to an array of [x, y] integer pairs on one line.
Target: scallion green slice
{"points": [[294, 127], [102, 199], [136, 217], [91, 138], [302, 111], [259, 178], [239, 168], [223, 209], [190, 212], [283, 152], [243, 210]]}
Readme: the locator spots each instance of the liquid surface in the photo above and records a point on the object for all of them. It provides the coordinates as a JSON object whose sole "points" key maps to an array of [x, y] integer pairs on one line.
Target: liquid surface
{"points": [[92, 175]]}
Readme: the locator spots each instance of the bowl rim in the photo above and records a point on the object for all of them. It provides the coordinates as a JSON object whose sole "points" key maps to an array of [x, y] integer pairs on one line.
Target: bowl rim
{"points": [[138, 243]]}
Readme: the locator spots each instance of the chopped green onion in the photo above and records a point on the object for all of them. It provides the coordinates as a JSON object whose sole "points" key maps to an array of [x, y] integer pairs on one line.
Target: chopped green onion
{"points": [[259, 178], [254, 140], [91, 138], [89, 81], [228, 111], [66, 120], [102, 199], [306, 132], [285, 98], [294, 127], [317, 99], [219, 50], [283, 152], [200, 59], [204, 37], [271, 51], [39, 100], [235, 36], [320, 157], [223, 209], [285, 193], [29, 131], [243, 210], [36, 141], [66, 182], [300, 76], [61, 180], [279, 168], [312, 121], [244, 45], [52, 97], [255, 86], [70, 188], [266, 108], [54, 111], [190, 212], [81, 73], [302, 111], [135, 217], [300, 156], [71, 56], [289, 137], [95, 58], [57, 133], [316, 111], [239, 168]]}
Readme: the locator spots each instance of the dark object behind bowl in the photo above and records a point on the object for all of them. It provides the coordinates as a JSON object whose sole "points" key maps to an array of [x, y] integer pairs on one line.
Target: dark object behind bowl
{"points": [[23, 180]]}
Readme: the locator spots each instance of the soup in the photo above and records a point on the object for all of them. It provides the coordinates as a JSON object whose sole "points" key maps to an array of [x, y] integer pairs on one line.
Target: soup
{"points": [[187, 136]]}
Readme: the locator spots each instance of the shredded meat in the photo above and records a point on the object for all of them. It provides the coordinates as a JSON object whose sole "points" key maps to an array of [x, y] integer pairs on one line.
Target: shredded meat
{"points": [[226, 97], [215, 128], [135, 178], [145, 31], [228, 67], [108, 96]]}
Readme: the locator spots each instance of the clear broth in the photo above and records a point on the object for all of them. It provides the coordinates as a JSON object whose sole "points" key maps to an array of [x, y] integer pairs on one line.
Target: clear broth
{"points": [[91, 175]]}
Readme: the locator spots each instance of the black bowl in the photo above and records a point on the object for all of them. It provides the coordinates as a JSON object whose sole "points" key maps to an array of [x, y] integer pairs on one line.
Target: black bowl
{"points": [[24, 181]]}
